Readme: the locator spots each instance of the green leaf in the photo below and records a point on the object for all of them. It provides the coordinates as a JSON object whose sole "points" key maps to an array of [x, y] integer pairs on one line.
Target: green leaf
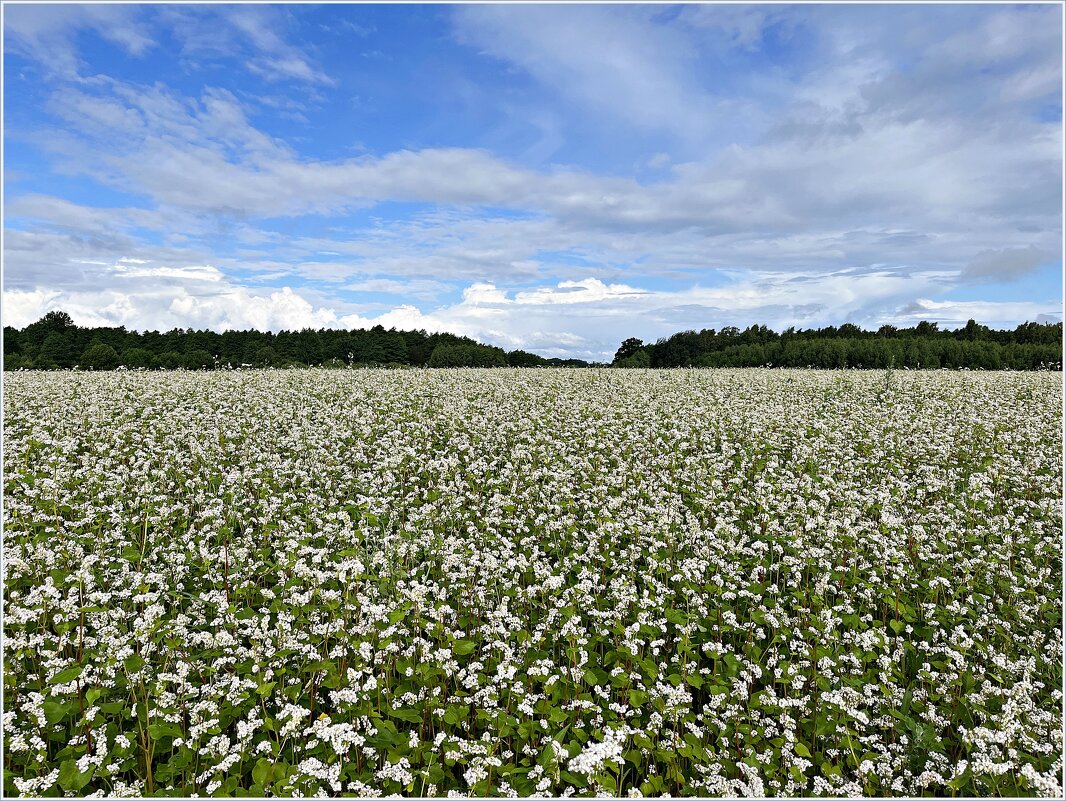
{"points": [[455, 713], [131, 554], [464, 647], [66, 676], [676, 616], [71, 779], [158, 730], [263, 772], [54, 711], [133, 663], [960, 781], [410, 715], [802, 750]]}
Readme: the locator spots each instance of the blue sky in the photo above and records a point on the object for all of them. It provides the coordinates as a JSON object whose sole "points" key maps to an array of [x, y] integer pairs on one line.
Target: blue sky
{"points": [[554, 178]]}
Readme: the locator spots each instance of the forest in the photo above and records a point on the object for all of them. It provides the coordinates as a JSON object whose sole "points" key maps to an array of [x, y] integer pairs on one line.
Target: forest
{"points": [[1030, 346], [55, 342]]}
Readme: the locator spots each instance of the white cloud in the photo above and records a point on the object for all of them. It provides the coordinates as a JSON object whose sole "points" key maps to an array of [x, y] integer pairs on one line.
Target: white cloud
{"points": [[421, 289], [611, 59], [253, 35], [996, 314], [47, 33], [276, 58], [597, 315], [941, 179]]}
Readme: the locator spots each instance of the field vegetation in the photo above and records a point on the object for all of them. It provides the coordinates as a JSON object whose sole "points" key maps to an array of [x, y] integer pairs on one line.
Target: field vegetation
{"points": [[540, 582]]}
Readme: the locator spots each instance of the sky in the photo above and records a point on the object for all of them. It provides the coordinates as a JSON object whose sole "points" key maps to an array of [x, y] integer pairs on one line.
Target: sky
{"points": [[546, 177]]}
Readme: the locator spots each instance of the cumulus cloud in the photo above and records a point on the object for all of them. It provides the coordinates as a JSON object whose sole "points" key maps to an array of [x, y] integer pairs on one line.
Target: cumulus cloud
{"points": [[585, 318]]}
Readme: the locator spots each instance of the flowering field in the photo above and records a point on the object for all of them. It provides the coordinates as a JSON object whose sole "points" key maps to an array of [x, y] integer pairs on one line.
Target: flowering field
{"points": [[531, 582]]}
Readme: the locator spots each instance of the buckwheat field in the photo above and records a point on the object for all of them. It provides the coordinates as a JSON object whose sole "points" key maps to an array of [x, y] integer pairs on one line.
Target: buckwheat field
{"points": [[540, 582]]}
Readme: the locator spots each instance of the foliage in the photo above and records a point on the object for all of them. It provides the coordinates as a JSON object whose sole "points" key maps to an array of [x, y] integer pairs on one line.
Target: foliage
{"points": [[1030, 346], [727, 583], [100, 357], [627, 349], [55, 342], [639, 358], [466, 354]]}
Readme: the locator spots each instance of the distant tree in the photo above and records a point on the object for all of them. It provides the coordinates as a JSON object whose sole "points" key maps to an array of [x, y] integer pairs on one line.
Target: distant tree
{"points": [[266, 357], [393, 348], [418, 347], [54, 341], [137, 357], [627, 349], [466, 354], [54, 322], [309, 347], [12, 340], [972, 331], [447, 354], [171, 360], [488, 356], [58, 348], [849, 330], [198, 359], [99, 356], [638, 359], [521, 358], [680, 350]]}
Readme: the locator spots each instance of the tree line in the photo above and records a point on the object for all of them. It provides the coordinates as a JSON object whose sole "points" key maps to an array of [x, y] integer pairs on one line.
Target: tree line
{"points": [[55, 342], [1030, 346]]}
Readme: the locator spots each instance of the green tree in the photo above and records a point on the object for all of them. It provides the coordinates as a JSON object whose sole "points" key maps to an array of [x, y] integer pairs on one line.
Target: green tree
{"points": [[198, 359], [447, 354], [627, 349], [393, 348], [171, 360], [99, 356], [12, 340], [137, 357], [52, 323], [638, 359], [58, 349], [266, 357], [521, 358]]}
